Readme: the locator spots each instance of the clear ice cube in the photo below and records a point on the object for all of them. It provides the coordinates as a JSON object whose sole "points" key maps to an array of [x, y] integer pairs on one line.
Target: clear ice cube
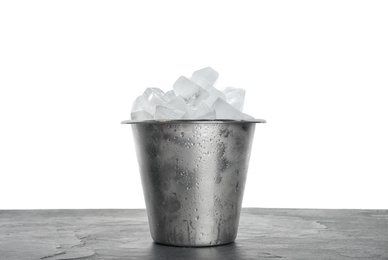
{"points": [[198, 112], [137, 105], [162, 112], [206, 78], [177, 102], [224, 110], [210, 115], [189, 91], [213, 95], [141, 115], [151, 98], [235, 97], [169, 95]]}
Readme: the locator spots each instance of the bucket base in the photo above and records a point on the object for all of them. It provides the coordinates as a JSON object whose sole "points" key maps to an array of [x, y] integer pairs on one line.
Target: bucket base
{"points": [[199, 245]]}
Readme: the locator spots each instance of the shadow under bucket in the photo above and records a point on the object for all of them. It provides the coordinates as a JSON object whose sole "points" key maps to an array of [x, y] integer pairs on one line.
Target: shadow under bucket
{"points": [[193, 174]]}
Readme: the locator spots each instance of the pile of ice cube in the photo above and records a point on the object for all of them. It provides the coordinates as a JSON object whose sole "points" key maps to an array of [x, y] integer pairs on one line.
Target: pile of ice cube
{"points": [[194, 98]]}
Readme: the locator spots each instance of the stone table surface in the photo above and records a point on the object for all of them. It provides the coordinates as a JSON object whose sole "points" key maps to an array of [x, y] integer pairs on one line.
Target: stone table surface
{"points": [[263, 234]]}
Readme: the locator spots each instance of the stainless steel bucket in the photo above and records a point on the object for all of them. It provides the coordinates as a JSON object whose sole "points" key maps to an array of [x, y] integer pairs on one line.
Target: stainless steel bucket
{"points": [[193, 174]]}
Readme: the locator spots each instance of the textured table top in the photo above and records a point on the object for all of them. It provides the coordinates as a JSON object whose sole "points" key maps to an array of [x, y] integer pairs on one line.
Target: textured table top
{"points": [[263, 234]]}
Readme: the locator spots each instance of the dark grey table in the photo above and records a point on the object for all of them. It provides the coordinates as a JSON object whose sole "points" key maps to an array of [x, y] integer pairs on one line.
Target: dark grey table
{"points": [[263, 234]]}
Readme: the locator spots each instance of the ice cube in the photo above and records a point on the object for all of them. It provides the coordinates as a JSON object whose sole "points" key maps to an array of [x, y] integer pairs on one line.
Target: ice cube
{"points": [[157, 91], [235, 97], [198, 112], [169, 95], [213, 95], [141, 115], [137, 112], [151, 98], [162, 112], [189, 91], [177, 102], [205, 77], [224, 110], [137, 105], [210, 115]]}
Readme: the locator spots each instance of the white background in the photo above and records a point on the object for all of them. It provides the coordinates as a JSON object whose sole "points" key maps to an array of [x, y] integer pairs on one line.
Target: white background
{"points": [[317, 71]]}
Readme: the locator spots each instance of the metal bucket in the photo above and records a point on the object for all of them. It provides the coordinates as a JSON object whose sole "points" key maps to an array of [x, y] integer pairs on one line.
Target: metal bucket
{"points": [[193, 174]]}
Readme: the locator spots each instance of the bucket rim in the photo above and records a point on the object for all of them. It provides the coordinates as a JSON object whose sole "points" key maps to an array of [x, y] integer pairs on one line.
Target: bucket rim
{"points": [[193, 121]]}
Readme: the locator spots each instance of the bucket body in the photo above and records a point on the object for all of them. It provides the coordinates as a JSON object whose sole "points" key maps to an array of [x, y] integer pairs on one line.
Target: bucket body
{"points": [[193, 175]]}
